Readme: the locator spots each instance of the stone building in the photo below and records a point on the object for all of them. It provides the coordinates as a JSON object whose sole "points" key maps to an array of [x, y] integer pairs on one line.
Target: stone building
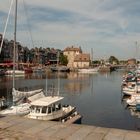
{"points": [[71, 52], [82, 60], [131, 61], [76, 59]]}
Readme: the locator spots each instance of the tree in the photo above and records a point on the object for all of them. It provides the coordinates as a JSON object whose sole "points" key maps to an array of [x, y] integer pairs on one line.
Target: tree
{"points": [[63, 59], [96, 62], [113, 59]]}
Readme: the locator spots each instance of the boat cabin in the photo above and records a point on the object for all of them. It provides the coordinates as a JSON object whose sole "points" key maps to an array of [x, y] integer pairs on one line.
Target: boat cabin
{"points": [[46, 105]]}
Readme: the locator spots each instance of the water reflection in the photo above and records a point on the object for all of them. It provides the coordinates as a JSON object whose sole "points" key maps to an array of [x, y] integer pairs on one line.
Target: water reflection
{"points": [[77, 83], [73, 83], [97, 97], [133, 111], [124, 98]]}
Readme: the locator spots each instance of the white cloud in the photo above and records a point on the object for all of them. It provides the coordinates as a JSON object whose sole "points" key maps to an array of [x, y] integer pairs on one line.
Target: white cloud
{"points": [[101, 24]]}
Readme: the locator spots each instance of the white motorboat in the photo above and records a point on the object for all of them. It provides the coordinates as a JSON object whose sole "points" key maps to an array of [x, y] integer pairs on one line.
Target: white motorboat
{"points": [[17, 72], [88, 70], [50, 108], [131, 89], [133, 100]]}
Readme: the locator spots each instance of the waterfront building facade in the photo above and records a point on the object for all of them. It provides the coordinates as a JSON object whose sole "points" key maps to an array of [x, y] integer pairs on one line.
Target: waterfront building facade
{"points": [[76, 59], [131, 61], [43, 56], [34, 56], [71, 52], [82, 60]]}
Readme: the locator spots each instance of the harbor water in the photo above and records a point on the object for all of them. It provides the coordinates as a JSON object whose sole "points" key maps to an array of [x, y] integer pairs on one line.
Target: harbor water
{"points": [[98, 97]]}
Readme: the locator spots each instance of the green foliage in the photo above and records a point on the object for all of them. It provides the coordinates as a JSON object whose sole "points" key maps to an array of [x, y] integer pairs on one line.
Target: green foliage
{"points": [[96, 62], [113, 59], [63, 59], [123, 62]]}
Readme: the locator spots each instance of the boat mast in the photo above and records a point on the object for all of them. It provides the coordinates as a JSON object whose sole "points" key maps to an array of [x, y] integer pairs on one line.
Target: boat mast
{"points": [[46, 86], [14, 49], [58, 73], [91, 56], [136, 55], [3, 36]]}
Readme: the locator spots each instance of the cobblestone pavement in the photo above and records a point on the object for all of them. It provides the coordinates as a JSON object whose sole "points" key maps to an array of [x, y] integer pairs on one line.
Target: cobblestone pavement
{"points": [[20, 128]]}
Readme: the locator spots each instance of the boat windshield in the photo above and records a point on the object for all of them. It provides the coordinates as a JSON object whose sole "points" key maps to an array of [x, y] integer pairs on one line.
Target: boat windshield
{"points": [[45, 109]]}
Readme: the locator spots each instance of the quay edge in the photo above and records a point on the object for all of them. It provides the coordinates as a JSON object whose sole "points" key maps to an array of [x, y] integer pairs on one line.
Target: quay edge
{"points": [[15, 127]]}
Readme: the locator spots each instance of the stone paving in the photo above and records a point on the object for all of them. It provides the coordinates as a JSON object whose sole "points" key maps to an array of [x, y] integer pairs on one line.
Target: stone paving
{"points": [[20, 128]]}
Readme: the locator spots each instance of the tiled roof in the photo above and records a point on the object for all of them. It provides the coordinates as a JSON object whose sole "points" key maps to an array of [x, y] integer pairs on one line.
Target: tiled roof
{"points": [[84, 57], [72, 48]]}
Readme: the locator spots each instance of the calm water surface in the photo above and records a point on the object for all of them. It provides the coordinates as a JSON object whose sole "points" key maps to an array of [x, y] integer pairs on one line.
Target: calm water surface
{"points": [[98, 97]]}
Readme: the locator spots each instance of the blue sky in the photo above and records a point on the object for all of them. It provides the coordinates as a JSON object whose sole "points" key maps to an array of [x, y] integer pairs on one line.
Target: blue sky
{"points": [[110, 27]]}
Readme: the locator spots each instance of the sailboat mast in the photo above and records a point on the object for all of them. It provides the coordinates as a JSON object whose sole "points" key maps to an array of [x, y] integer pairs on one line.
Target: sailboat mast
{"points": [[91, 56], [14, 49], [3, 36], [58, 73]]}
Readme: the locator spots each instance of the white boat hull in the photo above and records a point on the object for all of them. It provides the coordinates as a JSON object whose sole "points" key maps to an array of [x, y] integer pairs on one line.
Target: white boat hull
{"points": [[21, 109], [56, 115], [88, 70], [133, 100], [17, 72], [131, 91]]}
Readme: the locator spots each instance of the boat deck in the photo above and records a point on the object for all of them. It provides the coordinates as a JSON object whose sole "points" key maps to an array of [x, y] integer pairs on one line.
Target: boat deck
{"points": [[20, 128]]}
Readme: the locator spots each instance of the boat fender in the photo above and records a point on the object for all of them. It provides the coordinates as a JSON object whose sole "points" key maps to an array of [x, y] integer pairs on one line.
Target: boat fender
{"points": [[63, 120]]}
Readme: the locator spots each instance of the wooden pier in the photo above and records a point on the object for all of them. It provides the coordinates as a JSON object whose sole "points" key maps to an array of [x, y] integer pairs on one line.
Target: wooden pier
{"points": [[20, 128]]}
